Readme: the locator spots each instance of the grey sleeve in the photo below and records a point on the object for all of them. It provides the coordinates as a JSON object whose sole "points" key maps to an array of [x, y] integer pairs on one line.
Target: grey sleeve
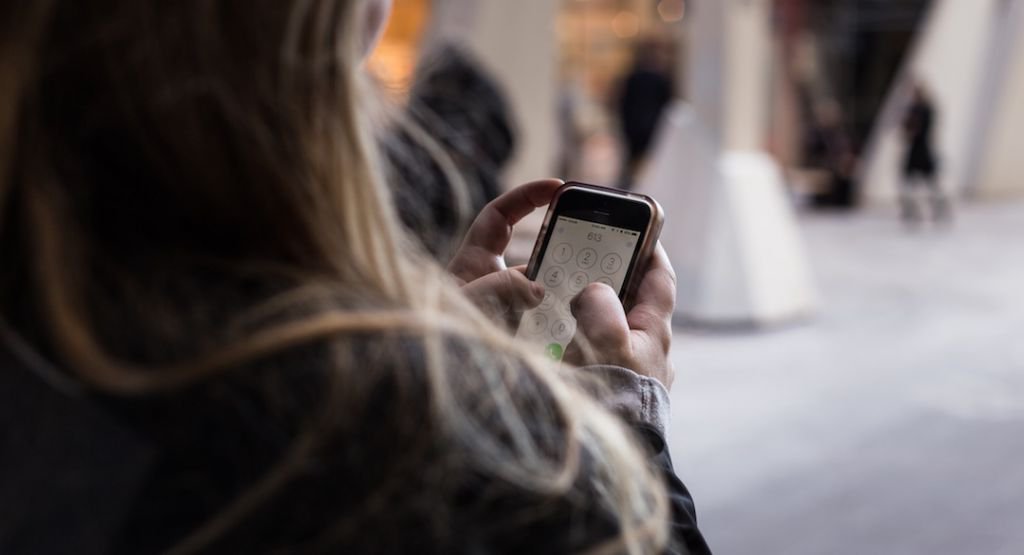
{"points": [[638, 399]]}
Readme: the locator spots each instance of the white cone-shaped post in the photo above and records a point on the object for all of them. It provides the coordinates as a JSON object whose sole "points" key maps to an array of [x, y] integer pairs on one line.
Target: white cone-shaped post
{"points": [[730, 229]]}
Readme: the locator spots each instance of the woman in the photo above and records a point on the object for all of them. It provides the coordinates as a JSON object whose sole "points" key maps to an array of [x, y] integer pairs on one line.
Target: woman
{"points": [[217, 339]]}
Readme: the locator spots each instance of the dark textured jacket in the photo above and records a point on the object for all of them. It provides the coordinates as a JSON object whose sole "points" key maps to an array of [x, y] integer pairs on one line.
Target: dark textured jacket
{"points": [[87, 475]]}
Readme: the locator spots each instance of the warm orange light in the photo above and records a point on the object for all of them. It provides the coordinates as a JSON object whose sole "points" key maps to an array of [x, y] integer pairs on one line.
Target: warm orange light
{"points": [[672, 11], [395, 57], [626, 25]]}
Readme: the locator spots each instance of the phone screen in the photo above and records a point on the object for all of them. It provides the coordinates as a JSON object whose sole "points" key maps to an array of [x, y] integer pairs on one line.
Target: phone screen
{"points": [[578, 253]]}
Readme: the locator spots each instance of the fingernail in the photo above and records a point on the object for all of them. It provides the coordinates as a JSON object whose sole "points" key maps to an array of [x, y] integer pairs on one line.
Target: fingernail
{"points": [[538, 291]]}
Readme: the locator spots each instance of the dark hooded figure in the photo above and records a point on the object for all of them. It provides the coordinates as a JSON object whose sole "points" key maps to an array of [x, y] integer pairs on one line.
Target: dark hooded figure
{"points": [[921, 163]]}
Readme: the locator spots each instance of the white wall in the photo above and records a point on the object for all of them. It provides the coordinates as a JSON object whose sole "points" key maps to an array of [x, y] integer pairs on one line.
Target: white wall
{"points": [[1001, 172]]}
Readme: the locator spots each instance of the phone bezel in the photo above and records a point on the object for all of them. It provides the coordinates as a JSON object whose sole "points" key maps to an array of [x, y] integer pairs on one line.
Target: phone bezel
{"points": [[604, 206]]}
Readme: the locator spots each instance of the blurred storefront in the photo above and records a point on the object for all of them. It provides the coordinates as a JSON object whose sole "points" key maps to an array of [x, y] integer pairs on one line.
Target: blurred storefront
{"points": [[587, 44], [595, 37], [835, 67]]}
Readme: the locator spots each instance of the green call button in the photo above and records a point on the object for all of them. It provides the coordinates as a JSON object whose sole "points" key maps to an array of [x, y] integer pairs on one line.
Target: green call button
{"points": [[556, 352]]}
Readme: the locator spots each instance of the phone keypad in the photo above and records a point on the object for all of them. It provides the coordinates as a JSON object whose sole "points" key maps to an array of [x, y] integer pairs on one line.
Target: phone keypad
{"points": [[579, 257]]}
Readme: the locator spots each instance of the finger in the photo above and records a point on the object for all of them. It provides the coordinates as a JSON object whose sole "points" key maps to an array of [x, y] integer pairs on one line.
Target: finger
{"points": [[505, 292], [482, 252], [600, 318], [656, 296], [492, 229]]}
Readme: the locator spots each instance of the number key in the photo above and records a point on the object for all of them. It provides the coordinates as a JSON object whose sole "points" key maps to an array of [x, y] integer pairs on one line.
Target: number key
{"points": [[611, 264], [563, 253], [578, 281], [537, 324], [554, 277], [563, 330], [587, 258]]}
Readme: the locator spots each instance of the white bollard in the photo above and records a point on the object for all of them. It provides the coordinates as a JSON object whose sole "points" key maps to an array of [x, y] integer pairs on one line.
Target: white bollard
{"points": [[730, 230]]}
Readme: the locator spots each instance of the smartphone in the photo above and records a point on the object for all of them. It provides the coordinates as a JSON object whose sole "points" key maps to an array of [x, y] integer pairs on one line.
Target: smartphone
{"points": [[591, 234]]}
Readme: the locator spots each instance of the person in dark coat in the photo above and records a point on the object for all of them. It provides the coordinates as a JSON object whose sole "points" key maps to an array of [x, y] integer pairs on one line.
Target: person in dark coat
{"points": [[217, 337], [920, 162], [644, 94]]}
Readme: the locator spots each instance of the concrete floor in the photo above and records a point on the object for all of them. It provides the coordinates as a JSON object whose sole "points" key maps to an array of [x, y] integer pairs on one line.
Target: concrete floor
{"points": [[893, 423]]}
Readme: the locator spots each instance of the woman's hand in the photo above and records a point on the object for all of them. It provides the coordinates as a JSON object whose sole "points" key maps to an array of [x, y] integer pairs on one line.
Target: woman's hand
{"points": [[640, 340], [479, 264]]}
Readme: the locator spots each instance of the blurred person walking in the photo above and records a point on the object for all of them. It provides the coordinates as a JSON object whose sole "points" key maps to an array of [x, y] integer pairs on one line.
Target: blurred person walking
{"points": [[644, 93], [921, 163], [216, 337]]}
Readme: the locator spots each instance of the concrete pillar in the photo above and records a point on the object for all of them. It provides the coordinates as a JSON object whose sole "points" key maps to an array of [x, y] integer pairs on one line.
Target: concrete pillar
{"points": [[998, 164], [730, 229], [517, 42]]}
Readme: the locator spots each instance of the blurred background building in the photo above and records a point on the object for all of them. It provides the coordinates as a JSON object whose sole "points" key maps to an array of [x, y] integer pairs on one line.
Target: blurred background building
{"points": [[866, 394], [836, 66]]}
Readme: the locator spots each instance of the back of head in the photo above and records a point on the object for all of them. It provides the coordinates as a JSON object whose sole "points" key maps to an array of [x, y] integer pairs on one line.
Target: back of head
{"points": [[153, 138], [201, 127]]}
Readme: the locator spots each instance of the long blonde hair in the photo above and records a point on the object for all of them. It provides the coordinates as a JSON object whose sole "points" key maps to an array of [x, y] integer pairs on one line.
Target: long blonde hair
{"points": [[140, 140]]}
